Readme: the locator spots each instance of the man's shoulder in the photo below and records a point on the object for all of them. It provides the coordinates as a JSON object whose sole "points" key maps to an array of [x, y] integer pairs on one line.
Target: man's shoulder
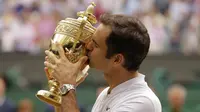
{"points": [[146, 97], [139, 104], [151, 96], [103, 93]]}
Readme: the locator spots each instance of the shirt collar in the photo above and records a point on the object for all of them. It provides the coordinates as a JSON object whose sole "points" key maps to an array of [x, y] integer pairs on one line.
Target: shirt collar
{"points": [[125, 85]]}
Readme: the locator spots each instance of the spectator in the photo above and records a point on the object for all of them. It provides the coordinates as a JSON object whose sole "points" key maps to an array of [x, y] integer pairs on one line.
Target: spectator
{"points": [[190, 41], [176, 96], [155, 23], [5, 104], [25, 105]]}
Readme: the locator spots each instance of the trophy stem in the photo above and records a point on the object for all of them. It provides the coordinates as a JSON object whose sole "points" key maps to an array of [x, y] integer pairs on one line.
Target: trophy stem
{"points": [[54, 85], [52, 96]]}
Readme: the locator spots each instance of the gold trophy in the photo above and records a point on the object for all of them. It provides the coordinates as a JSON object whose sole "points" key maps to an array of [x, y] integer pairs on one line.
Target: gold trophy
{"points": [[72, 34]]}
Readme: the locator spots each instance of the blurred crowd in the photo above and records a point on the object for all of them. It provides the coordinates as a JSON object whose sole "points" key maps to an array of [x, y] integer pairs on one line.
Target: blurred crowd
{"points": [[173, 25], [6, 104], [27, 25]]}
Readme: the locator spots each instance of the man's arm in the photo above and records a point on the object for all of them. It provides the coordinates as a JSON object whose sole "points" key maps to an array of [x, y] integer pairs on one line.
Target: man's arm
{"points": [[69, 103]]}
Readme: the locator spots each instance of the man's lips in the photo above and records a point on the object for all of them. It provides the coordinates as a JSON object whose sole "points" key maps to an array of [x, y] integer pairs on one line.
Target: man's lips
{"points": [[88, 53]]}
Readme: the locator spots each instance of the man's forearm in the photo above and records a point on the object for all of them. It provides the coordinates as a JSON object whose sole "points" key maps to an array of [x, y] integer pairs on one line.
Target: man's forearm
{"points": [[69, 103]]}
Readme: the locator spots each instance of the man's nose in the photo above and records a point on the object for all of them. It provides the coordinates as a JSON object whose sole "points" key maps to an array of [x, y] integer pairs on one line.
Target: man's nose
{"points": [[89, 46]]}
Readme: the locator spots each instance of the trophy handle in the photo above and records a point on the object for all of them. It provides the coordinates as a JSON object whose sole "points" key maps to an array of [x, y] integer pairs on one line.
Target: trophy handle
{"points": [[88, 13]]}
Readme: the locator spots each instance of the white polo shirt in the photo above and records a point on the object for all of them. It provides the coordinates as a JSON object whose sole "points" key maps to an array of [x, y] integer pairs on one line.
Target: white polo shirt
{"points": [[133, 95]]}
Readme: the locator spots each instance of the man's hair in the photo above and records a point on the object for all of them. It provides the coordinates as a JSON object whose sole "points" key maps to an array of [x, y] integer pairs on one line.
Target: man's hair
{"points": [[128, 37], [177, 89]]}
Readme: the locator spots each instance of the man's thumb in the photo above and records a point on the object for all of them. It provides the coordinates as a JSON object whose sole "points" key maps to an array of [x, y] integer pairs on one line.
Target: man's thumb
{"points": [[82, 60]]}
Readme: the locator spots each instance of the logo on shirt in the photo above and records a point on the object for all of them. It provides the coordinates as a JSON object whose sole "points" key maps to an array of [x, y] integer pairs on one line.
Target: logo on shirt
{"points": [[107, 109]]}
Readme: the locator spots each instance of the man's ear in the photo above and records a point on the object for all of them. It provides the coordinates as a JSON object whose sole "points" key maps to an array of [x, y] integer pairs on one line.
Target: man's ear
{"points": [[119, 59]]}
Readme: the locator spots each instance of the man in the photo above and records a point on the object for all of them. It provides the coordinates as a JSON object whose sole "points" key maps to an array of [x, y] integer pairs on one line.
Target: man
{"points": [[118, 47], [25, 105]]}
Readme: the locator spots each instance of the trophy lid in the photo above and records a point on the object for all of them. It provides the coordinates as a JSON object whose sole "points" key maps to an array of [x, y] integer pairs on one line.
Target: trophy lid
{"points": [[80, 29]]}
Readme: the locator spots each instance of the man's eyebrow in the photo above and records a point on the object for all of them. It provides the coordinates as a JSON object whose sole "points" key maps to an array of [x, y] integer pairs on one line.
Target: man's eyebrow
{"points": [[95, 42]]}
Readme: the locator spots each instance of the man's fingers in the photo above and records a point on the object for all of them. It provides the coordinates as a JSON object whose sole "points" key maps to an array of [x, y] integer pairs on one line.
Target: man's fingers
{"points": [[82, 60], [55, 75], [83, 77], [49, 77], [46, 58], [67, 56], [50, 56], [60, 51], [49, 65], [86, 75]]}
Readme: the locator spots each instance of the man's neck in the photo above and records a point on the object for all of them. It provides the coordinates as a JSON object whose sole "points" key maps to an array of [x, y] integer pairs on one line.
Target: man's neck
{"points": [[118, 77]]}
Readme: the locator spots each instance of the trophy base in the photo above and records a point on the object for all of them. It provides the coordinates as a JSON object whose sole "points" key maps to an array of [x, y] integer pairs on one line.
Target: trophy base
{"points": [[49, 97]]}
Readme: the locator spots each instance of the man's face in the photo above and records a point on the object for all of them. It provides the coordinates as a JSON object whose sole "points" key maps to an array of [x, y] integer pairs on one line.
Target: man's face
{"points": [[98, 48], [176, 98]]}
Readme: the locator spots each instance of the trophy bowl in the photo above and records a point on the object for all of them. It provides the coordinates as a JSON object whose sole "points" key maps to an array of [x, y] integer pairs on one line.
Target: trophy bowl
{"points": [[73, 35]]}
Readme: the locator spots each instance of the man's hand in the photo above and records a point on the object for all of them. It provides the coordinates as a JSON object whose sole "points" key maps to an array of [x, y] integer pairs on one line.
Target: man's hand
{"points": [[63, 70], [49, 77]]}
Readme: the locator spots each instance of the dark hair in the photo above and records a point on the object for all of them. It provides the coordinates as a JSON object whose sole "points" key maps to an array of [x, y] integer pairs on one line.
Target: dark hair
{"points": [[128, 37]]}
